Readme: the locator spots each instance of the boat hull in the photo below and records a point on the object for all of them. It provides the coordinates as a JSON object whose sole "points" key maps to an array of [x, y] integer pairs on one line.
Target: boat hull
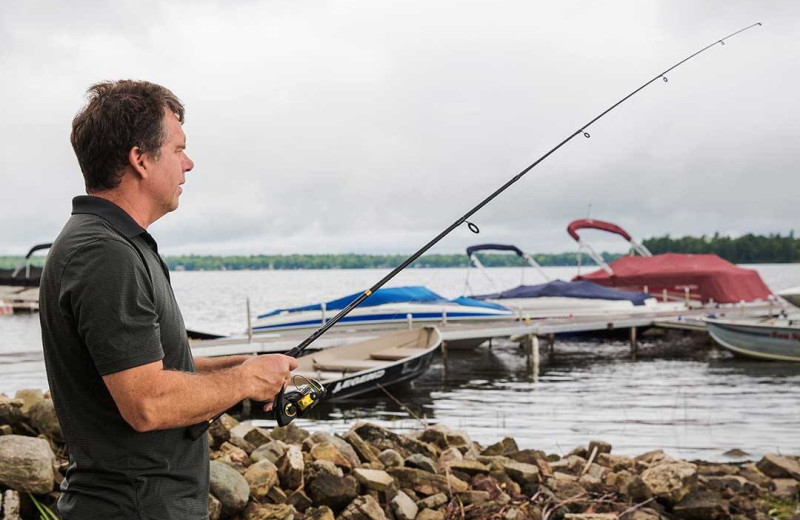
{"points": [[791, 295], [756, 339]]}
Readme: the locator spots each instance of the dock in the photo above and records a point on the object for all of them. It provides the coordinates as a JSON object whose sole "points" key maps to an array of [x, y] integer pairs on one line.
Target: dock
{"points": [[472, 334]]}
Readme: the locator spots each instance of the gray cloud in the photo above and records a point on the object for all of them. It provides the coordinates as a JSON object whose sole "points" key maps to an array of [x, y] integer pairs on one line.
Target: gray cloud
{"points": [[369, 126]]}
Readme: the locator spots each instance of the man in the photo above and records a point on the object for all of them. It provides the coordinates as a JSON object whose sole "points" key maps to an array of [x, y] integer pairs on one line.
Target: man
{"points": [[124, 383]]}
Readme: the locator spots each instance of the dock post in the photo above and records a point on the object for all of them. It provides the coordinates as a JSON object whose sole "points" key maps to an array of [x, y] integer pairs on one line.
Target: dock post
{"points": [[410, 321], [444, 316], [490, 343], [249, 323], [444, 361], [324, 317], [531, 342], [551, 342], [634, 344]]}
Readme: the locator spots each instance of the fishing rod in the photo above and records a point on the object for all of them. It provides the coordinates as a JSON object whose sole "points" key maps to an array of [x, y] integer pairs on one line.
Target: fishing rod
{"points": [[288, 406]]}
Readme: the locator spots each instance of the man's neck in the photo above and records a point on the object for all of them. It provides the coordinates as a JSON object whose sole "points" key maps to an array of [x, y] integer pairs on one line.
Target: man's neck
{"points": [[128, 204]]}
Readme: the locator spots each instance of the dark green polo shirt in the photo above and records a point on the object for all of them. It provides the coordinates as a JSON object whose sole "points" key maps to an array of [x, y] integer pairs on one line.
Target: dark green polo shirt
{"points": [[106, 305]]}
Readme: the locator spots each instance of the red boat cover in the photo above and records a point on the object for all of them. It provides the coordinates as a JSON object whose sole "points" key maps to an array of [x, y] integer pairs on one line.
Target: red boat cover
{"points": [[707, 276]]}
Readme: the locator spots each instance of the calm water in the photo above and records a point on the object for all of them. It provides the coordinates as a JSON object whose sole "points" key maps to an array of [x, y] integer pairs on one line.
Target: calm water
{"points": [[683, 395]]}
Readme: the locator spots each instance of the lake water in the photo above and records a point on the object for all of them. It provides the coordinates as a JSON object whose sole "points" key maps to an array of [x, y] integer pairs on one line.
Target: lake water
{"points": [[682, 395]]}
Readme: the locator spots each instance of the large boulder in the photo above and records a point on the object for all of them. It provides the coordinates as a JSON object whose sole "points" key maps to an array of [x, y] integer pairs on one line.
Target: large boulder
{"points": [[26, 464], [671, 481], [230, 488]]}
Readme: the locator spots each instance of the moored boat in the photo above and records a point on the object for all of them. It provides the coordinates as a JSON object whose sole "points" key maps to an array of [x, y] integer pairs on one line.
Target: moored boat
{"points": [[368, 365], [554, 297], [387, 307], [776, 339], [701, 279], [791, 295]]}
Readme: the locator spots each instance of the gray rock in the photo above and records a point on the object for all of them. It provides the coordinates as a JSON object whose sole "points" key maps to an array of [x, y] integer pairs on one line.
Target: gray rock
{"points": [[403, 507], [427, 483], [255, 511], [443, 437], [522, 473], [504, 447], [334, 492], [272, 451], [615, 462], [230, 488], [10, 410], [364, 451], [430, 514], [419, 461], [319, 513], [299, 500], [602, 447], [671, 481], [391, 459], [291, 468], [260, 477], [257, 436], [785, 488], [433, 501], [11, 505], [214, 508], [363, 508], [702, 505], [290, 434], [777, 466], [29, 397], [26, 464], [341, 445], [373, 478]]}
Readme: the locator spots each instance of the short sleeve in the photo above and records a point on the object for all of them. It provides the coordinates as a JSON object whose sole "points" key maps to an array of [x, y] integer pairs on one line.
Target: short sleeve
{"points": [[107, 291]]}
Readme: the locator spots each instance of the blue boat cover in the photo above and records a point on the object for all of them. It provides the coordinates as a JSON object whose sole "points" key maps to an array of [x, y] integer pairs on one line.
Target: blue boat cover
{"points": [[564, 289], [470, 302], [414, 293]]}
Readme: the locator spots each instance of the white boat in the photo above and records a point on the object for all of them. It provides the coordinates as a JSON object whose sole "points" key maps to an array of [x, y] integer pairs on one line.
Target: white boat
{"points": [[776, 339], [791, 295], [387, 307], [554, 298]]}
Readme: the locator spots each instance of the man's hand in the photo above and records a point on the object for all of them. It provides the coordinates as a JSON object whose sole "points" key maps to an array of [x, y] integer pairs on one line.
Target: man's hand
{"points": [[264, 376]]}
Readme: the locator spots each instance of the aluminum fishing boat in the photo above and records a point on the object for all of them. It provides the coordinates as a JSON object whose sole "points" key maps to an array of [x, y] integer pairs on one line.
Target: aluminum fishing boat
{"points": [[387, 307], [697, 279], [553, 297], [354, 369], [776, 339]]}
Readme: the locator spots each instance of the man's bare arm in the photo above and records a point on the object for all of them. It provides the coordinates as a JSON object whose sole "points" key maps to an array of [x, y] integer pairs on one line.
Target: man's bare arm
{"points": [[210, 364], [151, 398]]}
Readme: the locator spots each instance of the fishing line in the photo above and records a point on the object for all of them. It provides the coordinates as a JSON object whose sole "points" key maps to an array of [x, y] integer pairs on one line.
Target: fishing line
{"points": [[197, 430]]}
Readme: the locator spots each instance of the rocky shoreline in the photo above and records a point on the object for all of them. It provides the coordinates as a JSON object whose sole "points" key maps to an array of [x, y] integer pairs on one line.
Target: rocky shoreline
{"points": [[371, 473]]}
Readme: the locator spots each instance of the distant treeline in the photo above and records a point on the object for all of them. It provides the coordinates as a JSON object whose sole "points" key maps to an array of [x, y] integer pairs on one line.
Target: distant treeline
{"points": [[354, 261], [746, 249]]}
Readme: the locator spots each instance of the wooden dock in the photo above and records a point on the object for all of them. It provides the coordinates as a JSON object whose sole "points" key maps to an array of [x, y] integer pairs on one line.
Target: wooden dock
{"points": [[472, 334]]}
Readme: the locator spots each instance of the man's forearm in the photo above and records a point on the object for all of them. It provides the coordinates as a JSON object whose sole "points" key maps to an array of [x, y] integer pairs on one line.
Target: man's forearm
{"points": [[181, 398], [208, 364]]}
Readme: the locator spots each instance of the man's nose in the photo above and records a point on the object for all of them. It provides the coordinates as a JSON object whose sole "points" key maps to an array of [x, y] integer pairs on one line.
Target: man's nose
{"points": [[188, 165]]}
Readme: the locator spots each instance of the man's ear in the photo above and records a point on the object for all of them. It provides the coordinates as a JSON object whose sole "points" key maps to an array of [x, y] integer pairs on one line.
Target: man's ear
{"points": [[136, 159]]}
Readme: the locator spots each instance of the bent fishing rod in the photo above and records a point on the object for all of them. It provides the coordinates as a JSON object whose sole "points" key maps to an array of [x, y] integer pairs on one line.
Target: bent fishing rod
{"points": [[290, 405]]}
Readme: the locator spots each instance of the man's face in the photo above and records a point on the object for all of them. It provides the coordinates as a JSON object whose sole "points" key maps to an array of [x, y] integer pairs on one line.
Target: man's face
{"points": [[169, 171]]}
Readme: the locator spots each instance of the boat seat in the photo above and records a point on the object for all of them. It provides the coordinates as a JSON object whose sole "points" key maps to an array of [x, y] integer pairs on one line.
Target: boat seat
{"points": [[395, 354], [346, 365], [318, 375]]}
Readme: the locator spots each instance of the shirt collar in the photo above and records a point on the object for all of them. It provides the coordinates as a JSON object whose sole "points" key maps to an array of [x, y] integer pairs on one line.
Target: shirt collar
{"points": [[116, 216]]}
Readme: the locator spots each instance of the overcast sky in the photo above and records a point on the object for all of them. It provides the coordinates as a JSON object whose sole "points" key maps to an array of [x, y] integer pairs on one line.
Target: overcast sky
{"points": [[368, 126]]}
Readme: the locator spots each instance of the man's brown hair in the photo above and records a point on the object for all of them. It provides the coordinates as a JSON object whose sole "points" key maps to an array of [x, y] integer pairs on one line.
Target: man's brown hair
{"points": [[118, 116]]}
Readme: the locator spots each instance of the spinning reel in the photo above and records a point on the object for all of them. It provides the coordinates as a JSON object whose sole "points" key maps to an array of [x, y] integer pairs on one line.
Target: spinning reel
{"points": [[290, 405]]}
